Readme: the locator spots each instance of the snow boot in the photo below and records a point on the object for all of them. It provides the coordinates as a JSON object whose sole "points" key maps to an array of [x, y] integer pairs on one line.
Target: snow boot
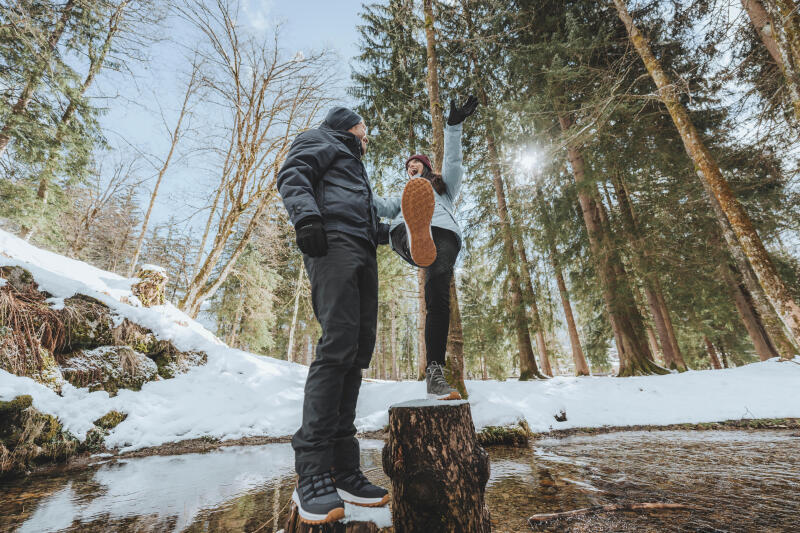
{"points": [[417, 205], [437, 385], [317, 500], [354, 487]]}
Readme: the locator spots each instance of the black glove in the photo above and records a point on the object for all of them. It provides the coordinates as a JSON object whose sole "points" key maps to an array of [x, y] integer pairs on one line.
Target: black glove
{"points": [[311, 238], [383, 233], [458, 114]]}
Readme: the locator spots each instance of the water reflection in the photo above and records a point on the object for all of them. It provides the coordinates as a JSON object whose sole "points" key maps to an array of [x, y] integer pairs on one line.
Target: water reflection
{"points": [[736, 481]]}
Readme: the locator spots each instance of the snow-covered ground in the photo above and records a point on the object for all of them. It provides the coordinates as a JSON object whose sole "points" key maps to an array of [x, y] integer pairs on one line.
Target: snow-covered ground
{"points": [[238, 394]]}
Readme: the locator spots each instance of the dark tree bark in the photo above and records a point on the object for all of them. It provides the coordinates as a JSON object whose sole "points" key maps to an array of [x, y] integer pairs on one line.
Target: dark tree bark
{"points": [[438, 469], [626, 320]]}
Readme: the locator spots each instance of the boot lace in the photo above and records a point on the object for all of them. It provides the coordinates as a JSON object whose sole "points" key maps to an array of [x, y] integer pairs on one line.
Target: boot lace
{"points": [[437, 374], [355, 478], [316, 485]]}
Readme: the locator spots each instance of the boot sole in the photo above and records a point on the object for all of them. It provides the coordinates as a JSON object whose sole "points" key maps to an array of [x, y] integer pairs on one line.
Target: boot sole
{"points": [[455, 395], [417, 205], [363, 502], [334, 515]]}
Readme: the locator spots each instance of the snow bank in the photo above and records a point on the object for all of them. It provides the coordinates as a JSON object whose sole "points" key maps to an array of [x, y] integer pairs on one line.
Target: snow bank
{"points": [[238, 394]]}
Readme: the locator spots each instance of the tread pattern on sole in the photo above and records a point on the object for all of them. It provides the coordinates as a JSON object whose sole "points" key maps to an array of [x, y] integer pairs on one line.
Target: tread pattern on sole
{"points": [[417, 205]]}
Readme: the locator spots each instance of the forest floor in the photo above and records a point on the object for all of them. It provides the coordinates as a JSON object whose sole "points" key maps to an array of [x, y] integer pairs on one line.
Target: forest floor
{"points": [[238, 395]]}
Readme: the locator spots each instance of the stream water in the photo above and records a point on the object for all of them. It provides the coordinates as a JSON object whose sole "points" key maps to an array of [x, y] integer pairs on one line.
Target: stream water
{"points": [[733, 481]]}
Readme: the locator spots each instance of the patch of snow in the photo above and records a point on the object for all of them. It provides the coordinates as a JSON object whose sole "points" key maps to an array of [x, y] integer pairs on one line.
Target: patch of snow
{"points": [[380, 516], [3, 281], [239, 394], [56, 304], [153, 268]]}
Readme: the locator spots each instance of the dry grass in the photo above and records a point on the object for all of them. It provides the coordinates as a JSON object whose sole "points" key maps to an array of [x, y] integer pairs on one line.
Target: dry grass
{"points": [[30, 326]]}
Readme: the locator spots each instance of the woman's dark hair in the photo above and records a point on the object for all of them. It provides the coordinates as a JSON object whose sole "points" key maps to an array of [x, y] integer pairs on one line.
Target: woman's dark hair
{"points": [[436, 180]]}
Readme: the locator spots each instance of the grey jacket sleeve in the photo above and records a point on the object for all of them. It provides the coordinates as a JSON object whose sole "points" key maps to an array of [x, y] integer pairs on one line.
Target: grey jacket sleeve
{"points": [[387, 207], [308, 158], [453, 168]]}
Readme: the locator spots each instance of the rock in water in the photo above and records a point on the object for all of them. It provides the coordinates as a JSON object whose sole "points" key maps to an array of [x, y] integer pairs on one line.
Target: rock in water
{"points": [[151, 285]]}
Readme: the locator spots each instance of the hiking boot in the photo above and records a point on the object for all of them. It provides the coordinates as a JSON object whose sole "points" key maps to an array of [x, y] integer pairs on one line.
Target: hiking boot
{"points": [[317, 500], [437, 385], [417, 205], [354, 487]]}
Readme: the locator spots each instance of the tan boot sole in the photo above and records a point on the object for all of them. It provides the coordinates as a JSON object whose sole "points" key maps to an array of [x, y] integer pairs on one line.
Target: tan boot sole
{"points": [[334, 515], [386, 499], [417, 204]]}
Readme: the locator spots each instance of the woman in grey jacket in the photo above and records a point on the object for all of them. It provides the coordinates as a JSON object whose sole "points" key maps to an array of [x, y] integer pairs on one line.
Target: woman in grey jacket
{"points": [[424, 232]]}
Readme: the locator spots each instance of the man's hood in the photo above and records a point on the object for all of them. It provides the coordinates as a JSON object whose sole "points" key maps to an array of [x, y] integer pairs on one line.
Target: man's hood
{"points": [[341, 118]]}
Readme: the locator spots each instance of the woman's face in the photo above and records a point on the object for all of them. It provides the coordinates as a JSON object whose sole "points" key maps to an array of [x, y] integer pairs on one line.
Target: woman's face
{"points": [[415, 168]]}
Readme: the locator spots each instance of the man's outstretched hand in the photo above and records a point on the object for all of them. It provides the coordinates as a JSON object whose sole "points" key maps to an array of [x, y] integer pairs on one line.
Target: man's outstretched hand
{"points": [[311, 238], [459, 114]]}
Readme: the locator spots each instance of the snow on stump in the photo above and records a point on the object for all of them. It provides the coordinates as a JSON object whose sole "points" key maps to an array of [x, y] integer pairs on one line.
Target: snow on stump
{"points": [[438, 469], [151, 285], [356, 520]]}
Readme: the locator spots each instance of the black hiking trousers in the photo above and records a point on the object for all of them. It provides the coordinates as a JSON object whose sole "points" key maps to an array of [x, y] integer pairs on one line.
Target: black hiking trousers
{"points": [[437, 287], [344, 295]]}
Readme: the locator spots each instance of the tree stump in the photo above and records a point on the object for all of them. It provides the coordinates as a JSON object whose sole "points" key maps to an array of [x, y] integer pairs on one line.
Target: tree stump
{"points": [[438, 469], [151, 285], [294, 525]]}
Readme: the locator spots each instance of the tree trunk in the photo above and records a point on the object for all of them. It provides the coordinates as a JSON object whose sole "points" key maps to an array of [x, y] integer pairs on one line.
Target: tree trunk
{"points": [[422, 356], [33, 82], [393, 326], [527, 361], [712, 354], [294, 525], [654, 347], [95, 64], [626, 320], [708, 170], [438, 469], [174, 138], [455, 340], [723, 355], [432, 83], [752, 322], [455, 344], [578, 358], [771, 321], [763, 24], [673, 358], [293, 326], [544, 358], [786, 30]]}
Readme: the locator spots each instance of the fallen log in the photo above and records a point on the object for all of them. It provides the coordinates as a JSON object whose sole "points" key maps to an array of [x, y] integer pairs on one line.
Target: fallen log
{"points": [[438, 469], [538, 519]]}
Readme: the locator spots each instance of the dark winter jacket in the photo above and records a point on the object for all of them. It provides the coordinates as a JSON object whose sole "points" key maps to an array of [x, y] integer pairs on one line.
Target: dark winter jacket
{"points": [[323, 176]]}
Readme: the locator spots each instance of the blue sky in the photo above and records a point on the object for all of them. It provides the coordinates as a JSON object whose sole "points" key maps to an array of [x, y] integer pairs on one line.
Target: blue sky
{"points": [[144, 103]]}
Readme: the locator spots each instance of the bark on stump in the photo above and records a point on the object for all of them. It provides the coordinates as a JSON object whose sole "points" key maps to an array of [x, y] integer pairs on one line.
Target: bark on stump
{"points": [[151, 286], [438, 469], [294, 525]]}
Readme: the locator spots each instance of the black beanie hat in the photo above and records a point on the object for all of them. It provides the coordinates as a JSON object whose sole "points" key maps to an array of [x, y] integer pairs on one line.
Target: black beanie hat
{"points": [[342, 118]]}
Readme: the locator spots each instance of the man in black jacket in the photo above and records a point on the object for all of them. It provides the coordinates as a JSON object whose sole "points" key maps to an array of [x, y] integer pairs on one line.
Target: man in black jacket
{"points": [[324, 187]]}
